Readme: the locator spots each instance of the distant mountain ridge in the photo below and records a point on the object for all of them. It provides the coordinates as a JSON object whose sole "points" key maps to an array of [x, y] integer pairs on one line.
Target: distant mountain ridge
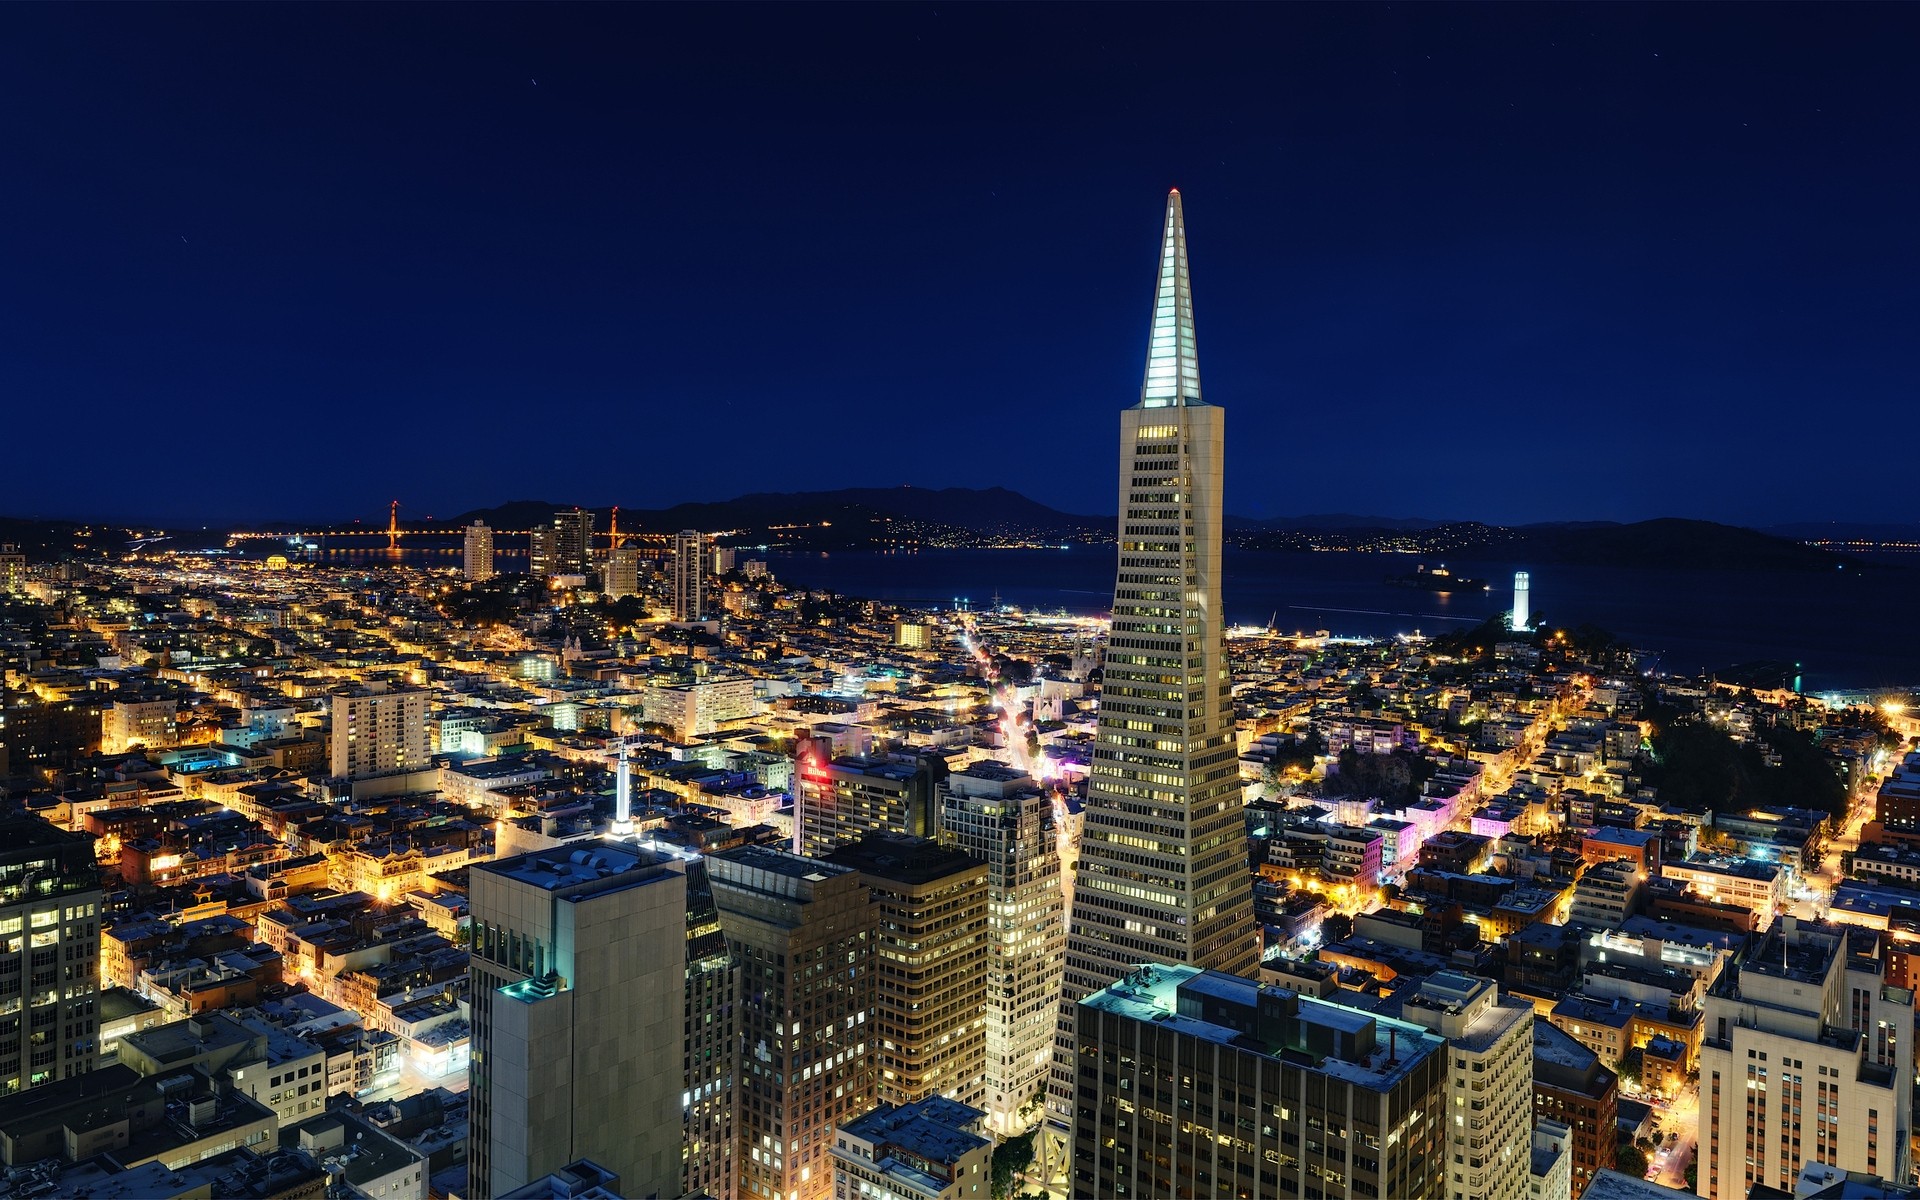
{"points": [[958, 517]]}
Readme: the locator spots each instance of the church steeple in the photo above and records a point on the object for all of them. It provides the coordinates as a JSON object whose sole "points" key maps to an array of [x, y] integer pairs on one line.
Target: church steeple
{"points": [[1173, 361]]}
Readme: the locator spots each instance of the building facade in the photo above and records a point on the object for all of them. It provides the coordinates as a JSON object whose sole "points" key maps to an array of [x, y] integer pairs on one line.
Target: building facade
{"points": [[50, 899], [1807, 1058], [1489, 1077], [377, 728], [999, 816], [689, 575], [1573, 1088], [838, 800], [479, 552], [803, 933], [931, 982]]}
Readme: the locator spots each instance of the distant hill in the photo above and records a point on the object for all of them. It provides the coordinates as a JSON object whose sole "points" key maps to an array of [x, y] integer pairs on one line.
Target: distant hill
{"points": [[1666, 542], [1330, 521]]}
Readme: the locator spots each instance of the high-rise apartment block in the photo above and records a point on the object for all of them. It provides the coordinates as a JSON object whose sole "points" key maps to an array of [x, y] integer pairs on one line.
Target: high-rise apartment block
{"points": [[572, 542], [689, 575], [803, 933], [1163, 874], [377, 728], [579, 986], [540, 554], [479, 552], [999, 816], [836, 800], [1807, 1057], [931, 987], [1196, 1083], [50, 899], [1489, 1082]]}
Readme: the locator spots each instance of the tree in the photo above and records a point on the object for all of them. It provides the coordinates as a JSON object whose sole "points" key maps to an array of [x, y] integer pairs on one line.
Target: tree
{"points": [[1629, 1159], [1009, 1159]]}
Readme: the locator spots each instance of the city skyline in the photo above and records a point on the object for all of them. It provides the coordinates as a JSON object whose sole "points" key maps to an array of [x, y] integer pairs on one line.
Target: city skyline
{"points": [[1650, 237]]}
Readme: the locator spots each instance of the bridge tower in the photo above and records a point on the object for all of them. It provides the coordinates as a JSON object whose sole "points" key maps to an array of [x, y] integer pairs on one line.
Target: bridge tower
{"points": [[393, 525]]}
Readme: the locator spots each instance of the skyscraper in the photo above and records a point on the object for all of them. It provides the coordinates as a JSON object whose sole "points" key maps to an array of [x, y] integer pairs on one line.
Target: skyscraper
{"points": [[803, 933], [1522, 600], [50, 920], [1163, 872], [689, 575], [999, 816], [1194, 1083], [540, 553], [479, 551], [931, 994], [572, 541], [579, 965]]}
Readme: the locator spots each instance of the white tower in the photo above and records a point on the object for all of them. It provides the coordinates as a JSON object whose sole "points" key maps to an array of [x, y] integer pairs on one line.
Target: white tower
{"points": [[623, 795], [1522, 612]]}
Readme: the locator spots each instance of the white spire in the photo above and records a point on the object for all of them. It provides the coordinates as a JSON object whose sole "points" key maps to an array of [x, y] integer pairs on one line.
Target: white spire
{"points": [[623, 794], [1173, 361]]}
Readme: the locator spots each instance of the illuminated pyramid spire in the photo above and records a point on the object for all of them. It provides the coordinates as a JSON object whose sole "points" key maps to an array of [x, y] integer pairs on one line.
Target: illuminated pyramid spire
{"points": [[1173, 361]]}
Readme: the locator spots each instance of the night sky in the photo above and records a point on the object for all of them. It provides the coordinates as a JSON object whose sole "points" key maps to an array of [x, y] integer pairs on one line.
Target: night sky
{"points": [[1506, 262]]}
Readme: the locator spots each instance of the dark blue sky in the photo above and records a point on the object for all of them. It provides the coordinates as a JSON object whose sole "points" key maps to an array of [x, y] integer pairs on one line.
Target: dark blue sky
{"points": [[1507, 262]]}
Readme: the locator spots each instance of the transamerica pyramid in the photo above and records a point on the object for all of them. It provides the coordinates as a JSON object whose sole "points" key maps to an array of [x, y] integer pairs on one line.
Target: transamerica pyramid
{"points": [[1163, 853]]}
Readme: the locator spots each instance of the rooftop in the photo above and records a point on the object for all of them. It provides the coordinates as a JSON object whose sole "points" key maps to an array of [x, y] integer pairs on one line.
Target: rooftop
{"points": [[608, 864]]}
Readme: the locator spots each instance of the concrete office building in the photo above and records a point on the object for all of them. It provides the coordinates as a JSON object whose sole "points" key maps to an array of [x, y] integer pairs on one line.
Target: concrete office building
{"points": [[50, 900], [999, 816], [479, 552], [1162, 873], [1489, 1077], [689, 575], [377, 728], [837, 800], [623, 572], [1807, 1058], [1196, 1083], [803, 933], [579, 985], [931, 988]]}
